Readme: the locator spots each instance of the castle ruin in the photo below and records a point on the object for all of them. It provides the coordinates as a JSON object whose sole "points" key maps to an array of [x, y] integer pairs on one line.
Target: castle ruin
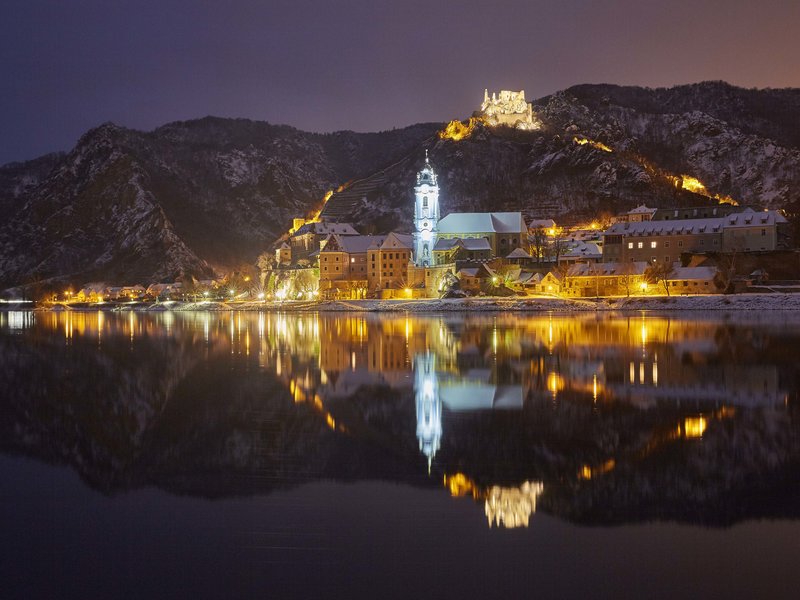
{"points": [[508, 108]]}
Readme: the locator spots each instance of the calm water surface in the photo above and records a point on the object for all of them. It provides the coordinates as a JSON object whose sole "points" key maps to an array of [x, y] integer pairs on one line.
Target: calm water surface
{"points": [[350, 455]]}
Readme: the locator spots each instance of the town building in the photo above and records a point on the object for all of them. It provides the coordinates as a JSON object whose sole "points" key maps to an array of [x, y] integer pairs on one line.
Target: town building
{"points": [[700, 212], [449, 250], [636, 215], [505, 231], [665, 240], [604, 279], [388, 264], [306, 241], [581, 252], [343, 260]]}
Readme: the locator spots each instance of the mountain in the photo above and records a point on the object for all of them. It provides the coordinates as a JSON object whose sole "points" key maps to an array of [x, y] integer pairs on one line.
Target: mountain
{"points": [[188, 198], [605, 149], [209, 195]]}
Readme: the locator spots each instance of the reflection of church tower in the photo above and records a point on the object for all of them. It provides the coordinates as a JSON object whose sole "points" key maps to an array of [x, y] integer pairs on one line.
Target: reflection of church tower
{"points": [[426, 215], [429, 406]]}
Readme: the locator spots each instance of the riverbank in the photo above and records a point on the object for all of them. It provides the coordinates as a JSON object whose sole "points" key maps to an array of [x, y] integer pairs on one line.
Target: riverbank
{"points": [[749, 302]]}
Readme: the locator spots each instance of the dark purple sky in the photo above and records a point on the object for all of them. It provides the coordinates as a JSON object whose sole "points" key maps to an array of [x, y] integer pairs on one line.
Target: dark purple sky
{"points": [[364, 65]]}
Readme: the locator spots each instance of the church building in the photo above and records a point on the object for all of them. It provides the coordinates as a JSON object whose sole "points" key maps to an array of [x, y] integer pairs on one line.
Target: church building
{"points": [[426, 215]]}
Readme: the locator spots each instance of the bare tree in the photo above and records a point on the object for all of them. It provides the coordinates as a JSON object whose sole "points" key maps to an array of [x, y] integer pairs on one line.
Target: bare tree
{"points": [[660, 272], [538, 240]]}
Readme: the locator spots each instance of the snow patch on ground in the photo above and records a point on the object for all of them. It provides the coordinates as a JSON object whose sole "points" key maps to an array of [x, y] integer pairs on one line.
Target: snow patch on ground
{"points": [[739, 302]]}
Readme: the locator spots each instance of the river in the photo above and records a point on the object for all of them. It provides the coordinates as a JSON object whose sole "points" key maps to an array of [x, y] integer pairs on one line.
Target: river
{"points": [[240, 454]]}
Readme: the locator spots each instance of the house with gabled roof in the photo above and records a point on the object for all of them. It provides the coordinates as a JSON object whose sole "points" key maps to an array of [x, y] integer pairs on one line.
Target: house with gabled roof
{"points": [[308, 238], [387, 265], [343, 265]]}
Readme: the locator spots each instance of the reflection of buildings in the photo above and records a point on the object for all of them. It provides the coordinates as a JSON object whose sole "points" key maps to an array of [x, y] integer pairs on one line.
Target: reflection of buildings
{"points": [[428, 404], [508, 507], [512, 507]]}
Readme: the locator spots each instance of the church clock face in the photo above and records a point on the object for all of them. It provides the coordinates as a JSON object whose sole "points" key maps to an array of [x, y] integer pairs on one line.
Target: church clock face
{"points": [[426, 225]]}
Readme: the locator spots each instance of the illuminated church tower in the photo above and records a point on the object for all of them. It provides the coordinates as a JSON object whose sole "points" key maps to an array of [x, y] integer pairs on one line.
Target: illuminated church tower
{"points": [[426, 215], [429, 406]]}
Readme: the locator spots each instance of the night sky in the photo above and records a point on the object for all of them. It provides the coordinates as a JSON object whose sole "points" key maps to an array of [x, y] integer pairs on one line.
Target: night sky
{"points": [[364, 65]]}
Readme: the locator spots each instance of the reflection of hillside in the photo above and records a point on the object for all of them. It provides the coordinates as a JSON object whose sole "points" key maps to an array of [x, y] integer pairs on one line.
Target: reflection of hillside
{"points": [[617, 420], [89, 394]]}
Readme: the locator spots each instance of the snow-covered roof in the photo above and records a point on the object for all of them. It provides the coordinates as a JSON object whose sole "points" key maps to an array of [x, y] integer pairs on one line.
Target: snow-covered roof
{"points": [[496, 222], [641, 209], [445, 244], [747, 218], [326, 228], [473, 244], [541, 224], [398, 240], [353, 244], [607, 269], [479, 271], [518, 253], [693, 273], [583, 250]]}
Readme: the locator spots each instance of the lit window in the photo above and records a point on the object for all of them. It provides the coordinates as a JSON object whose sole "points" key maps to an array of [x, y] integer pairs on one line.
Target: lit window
{"points": [[352, 259], [640, 245], [653, 244], [630, 245]]}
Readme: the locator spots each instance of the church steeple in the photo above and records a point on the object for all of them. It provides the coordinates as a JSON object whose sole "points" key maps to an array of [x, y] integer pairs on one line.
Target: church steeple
{"points": [[426, 214], [428, 405]]}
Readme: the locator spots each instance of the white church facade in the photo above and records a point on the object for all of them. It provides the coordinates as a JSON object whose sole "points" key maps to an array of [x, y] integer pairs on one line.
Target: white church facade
{"points": [[424, 263]]}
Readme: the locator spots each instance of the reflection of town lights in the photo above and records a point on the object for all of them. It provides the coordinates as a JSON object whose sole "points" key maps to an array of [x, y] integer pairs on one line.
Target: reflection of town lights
{"points": [[694, 427], [261, 295], [460, 485], [555, 383]]}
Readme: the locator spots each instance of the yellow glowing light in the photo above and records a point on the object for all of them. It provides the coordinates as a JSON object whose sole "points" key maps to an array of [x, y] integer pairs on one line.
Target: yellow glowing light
{"points": [[643, 285], [588, 472], [551, 232], [694, 427], [330, 421], [555, 383], [456, 130], [598, 145], [694, 185], [460, 485]]}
